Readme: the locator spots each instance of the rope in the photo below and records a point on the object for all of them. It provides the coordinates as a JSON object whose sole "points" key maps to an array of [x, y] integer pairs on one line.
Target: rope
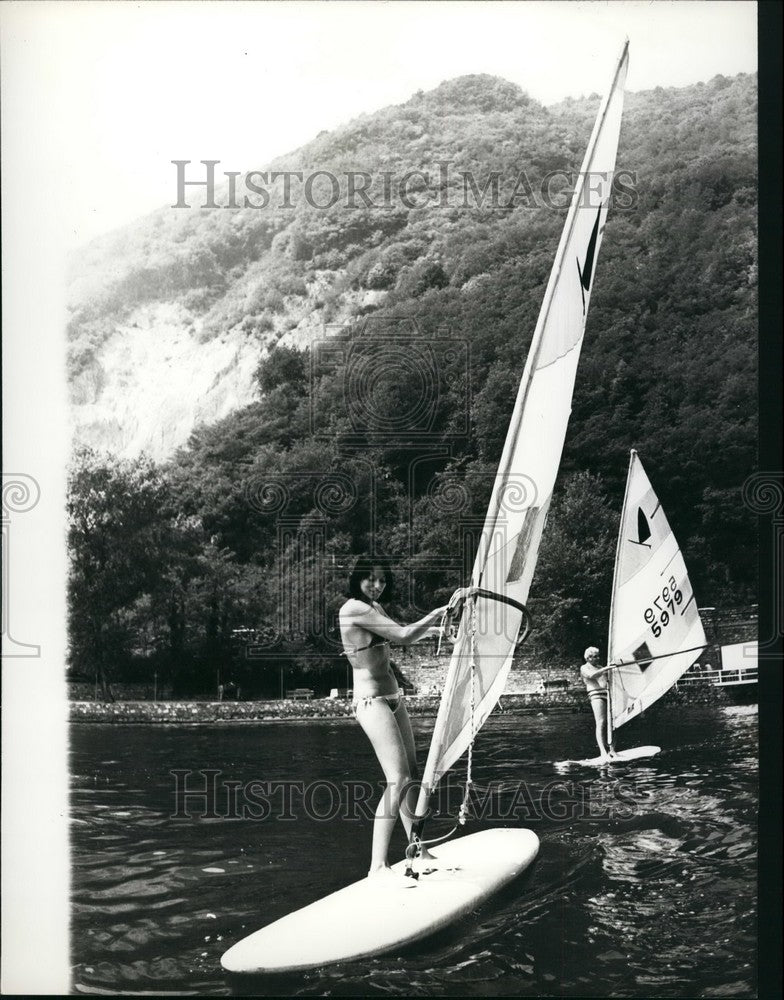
{"points": [[437, 840], [416, 842], [442, 629]]}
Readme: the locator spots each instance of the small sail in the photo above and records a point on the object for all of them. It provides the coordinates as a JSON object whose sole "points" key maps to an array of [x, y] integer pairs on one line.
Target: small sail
{"points": [[655, 627], [523, 486]]}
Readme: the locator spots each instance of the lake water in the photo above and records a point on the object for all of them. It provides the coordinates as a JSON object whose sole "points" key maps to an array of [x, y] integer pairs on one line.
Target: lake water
{"points": [[645, 884]]}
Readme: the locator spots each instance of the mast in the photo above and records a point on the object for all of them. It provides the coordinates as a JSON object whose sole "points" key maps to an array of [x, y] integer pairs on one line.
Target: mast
{"points": [[616, 567]]}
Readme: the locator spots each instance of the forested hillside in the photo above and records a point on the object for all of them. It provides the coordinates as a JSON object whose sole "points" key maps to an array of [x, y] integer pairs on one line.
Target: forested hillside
{"points": [[367, 361]]}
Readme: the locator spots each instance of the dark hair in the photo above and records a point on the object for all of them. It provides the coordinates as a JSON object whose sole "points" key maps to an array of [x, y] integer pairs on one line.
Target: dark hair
{"points": [[363, 568]]}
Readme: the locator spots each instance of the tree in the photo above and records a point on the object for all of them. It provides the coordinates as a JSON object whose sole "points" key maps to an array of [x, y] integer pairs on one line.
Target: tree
{"points": [[573, 577], [283, 366], [116, 536]]}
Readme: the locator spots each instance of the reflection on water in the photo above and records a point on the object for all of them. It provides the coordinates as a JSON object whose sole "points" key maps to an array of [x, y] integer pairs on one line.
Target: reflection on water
{"points": [[644, 885]]}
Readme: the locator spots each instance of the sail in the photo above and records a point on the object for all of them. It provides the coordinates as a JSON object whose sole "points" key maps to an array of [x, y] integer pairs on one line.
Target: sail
{"points": [[523, 486], [655, 627]]}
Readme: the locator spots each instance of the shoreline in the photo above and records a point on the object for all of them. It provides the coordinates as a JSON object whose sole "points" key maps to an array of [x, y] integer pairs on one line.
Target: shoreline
{"points": [[331, 709]]}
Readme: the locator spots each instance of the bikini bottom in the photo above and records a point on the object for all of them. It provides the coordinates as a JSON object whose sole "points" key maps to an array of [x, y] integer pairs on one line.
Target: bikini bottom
{"points": [[393, 700]]}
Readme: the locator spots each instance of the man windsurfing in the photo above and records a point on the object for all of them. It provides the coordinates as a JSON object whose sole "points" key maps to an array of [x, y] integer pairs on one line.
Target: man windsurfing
{"points": [[595, 680]]}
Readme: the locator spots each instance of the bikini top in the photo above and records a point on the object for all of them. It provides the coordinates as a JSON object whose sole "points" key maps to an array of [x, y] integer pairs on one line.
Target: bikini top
{"points": [[376, 640]]}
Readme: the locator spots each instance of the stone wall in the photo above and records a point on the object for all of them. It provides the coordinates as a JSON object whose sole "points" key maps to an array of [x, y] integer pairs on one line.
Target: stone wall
{"points": [[427, 673], [286, 710], [187, 712]]}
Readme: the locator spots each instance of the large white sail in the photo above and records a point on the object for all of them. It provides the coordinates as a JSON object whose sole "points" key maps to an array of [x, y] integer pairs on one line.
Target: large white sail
{"points": [[655, 627], [523, 486]]}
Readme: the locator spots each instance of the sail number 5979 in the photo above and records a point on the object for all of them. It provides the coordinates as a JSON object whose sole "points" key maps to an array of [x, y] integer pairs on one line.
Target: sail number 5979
{"points": [[661, 613]]}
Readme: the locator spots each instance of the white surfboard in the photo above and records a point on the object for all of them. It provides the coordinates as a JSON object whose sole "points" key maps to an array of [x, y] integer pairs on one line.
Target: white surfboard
{"points": [[371, 916], [621, 756]]}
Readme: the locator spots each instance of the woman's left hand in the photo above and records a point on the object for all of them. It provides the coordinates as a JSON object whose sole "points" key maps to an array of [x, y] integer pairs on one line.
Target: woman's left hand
{"points": [[461, 595]]}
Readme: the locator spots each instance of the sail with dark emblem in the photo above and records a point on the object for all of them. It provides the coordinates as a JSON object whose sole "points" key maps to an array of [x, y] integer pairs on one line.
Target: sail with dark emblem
{"points": [[523, 486], [655, 628]]}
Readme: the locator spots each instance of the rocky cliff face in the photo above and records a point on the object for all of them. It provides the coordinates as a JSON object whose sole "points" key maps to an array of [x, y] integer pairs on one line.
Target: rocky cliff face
{"points": [[155, 376], [153, 380], [171, 315]]}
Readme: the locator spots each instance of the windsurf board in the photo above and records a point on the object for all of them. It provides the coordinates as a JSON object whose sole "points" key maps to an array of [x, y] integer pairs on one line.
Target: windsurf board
{"points": [[378, 915], [621, 757]]}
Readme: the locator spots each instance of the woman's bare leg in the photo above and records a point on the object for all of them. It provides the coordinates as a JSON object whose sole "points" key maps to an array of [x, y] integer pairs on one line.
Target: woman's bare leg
{"points": [[381, 727], [408, 805], [407, 735]]}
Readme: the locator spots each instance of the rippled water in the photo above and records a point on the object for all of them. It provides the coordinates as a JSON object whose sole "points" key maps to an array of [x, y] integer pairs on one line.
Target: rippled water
{"points": [[644, 885]]}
